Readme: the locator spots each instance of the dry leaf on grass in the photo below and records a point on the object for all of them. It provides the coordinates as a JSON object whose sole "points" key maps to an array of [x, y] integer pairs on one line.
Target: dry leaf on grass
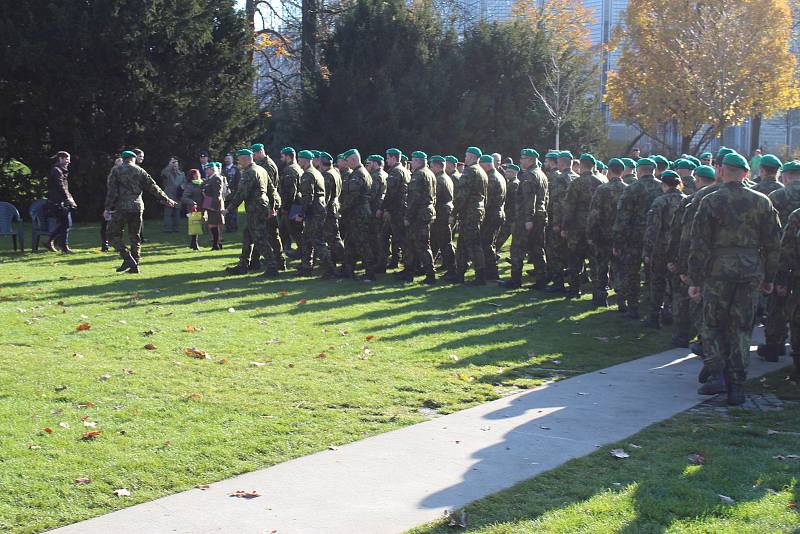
{"points": [[195, 353], [465, 377], [193, 397], [33, 447], [63, 425], [83, 480], [150, 346], [202, 486], [191, 328], [122, 492], [257, 364], [87, 404], [47, 430], [242, 494], [90, 424], [619, 453], [284, 293], [302, 301], [321, 356], [104, 377], [83, 327], [370, 338], [62, 387], [86, 436]]}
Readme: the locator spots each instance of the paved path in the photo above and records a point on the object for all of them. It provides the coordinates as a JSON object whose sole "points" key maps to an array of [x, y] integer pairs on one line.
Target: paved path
{"points": [[398, 480]]}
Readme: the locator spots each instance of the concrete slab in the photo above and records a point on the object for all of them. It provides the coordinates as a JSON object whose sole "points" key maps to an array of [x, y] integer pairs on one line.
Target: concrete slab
{"points": [[401, 479]]}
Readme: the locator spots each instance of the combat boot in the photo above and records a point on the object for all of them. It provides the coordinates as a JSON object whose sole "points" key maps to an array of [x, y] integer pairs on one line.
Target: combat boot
{"points": [[134, 270], [280, 263], [622, 305], [393, 264], [573, 293], [127, 261], [480, 278], [236, 270], [705, 372], [65, 249], [453, 278], [632, 313], [557, 287], [714, 385], [736, 395], [104, 247], [768, 352], [51, 246]]}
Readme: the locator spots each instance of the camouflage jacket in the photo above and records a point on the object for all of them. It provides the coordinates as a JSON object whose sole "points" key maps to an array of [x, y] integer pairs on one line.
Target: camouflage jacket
{"points": [[656, 235], [603, 211], [470, 194], [556, 191], [676, 229], [394, 201], [512, 189], [495, 194], [312, 193], [272, 171], [689, 184], [125, 185], [355, 196], [444, 196], [531, 197], [786, 200], [575, 206], [333, 188], [767, 185], [687, 219], [735, 237], [789, 262], [290, 185], [629, 178], [634, 204], [378, 190], [421, 196], [255, 190]]}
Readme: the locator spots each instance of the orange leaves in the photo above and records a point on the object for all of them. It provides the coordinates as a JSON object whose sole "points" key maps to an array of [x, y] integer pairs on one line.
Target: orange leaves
{"points": [[302, 301], [242, 494], [88, 436], [192, 329], [195, 353], [370, 338], [83, 327], [284, 293], [47, 430]]}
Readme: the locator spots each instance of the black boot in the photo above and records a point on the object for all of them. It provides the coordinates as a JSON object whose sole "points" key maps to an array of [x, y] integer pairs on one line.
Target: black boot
{"points": [[237, 270], [280, 263], [714, 385], [622, 305], [430, 279], [104, 247], [215, 239], [736, 394], [557, 287], [255, 264], [768, 351], [704, 374], [271, 273], [406, 275], [194, 245], [127, 261], [393, 264]]}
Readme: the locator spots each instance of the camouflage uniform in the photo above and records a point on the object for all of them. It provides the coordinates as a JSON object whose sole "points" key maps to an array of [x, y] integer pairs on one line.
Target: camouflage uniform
{"points": [[557, 249], [289, 190], [376, 225], [629, 178], [789, 277], [689, 184], [655, 249], [356, 211], [420, 212], [124, 197], [530, 206], [628, 235], [735, 246], [333, 188], [505, 230], [599, 222], [494, 219], [260, 198], [312, 244], [767, 185], [684, 311], [441, 232], [575, 209], [470, 196], [394, 203], [273, 232]]}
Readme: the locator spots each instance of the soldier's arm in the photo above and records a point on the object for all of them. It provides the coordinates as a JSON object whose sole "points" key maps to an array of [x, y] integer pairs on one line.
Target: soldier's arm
{"points": [[674, 235], [150, 185], [700, 243], [306, 190], [651, 231], [112, 191], [771, 243], [593, 218], [413, 198], [274, 196], [621, 222], [238, 196]]}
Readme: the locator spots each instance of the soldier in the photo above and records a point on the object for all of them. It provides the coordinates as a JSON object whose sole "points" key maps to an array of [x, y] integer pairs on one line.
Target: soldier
{"points": [[441, 232], [420, 212], [393, 208], [263, 160], [575, 208], [530, 221], [628, 232], [261, 200], [557, 251], [685, 170], [312, 217], [734, 253], [706, 158], [60, 202], [768, 181], [787, 281], [289, 190], [355, 210], [599, 222], [785, 200], [655, 246], [512, 183], [333, 188], [495, 214], [451, 168], [550, 163], [629, 176], [377, 193], [124, 196], [469, 210]]}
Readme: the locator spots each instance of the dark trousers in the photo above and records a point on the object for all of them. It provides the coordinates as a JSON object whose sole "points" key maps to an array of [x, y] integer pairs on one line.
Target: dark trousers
{"points": [[60, 233]]}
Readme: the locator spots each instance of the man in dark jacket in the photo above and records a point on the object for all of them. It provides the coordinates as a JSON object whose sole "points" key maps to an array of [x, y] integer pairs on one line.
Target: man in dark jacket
{"points": [[60, 202]]}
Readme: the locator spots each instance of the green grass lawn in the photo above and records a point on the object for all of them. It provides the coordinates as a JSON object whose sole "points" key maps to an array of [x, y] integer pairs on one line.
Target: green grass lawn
{"points": [[658, 489], [293, 366]]}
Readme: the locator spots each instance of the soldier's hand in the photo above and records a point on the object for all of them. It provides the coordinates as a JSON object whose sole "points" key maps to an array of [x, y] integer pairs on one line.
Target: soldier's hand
{"points": [[781, 290], [672, 267], [694, 293], [615, 251], [528, 226], [767, 287]]}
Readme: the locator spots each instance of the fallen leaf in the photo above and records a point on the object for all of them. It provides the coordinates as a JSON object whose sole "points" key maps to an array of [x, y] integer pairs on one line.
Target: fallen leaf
{"points": [[284, 293], [332, 448], [83, 480], [122, 492], [150, 346], [83, 327], [202, 486], [63, 425], [148, 333], [619, 453], [231, 310], [290, 366], [343, 332], [242, 494], [87, 404], [792, 506], [122, 321], [223, 361], [47, 430], [191, 328], [370, 338], [33, 447], [544, 427], [193, 397], [321, 356], [273, 341], [457, 519], [257, 364], [453, 357], [86, 436], [697, 458], [726, 499], [90, 424], [634, 446], [195, 353], [129, 371], [496, 305], [104, 377], [302, 301]]}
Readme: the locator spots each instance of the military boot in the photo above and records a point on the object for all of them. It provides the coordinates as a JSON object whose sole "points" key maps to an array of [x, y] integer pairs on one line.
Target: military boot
{"points": [[736, 395], [51, 246], [430, 278], [104, 247], [703, 375], [127, 261], [393, 264], [558, 285], [271, 273], [769, 352], [622, 305], [134, 269], [280, 263], [714, 385], [236, 270]]}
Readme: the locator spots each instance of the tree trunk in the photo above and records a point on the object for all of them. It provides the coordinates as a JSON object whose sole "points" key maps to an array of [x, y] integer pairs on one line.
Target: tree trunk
{"points": [[558, 137], [309, 33], [686, 144], [250, 10], [755, 132]]}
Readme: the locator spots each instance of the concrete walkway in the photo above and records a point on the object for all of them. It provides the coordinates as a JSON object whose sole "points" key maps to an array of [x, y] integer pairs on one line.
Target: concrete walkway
{"points": [[398, 480]]}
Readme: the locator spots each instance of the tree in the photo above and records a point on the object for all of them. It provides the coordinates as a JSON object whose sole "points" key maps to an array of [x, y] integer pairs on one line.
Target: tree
{"points": [[692, 64]]}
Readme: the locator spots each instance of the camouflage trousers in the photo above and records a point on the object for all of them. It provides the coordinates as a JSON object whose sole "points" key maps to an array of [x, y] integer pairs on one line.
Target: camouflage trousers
{"points": [[489, 231], [274, 242], [606, 269], [630, 265], [659, 281], [503, 235], [333, 238], [357, 243], [579, 254], [378, 241], [468, 247], [728, 310], [256, 231], [684, 310], [793, 314], [521, 240], [557, 253], [775, 329], [442, 241], [132, 219], [290, 231], [394, 236], [312, 244], [418, 246]]}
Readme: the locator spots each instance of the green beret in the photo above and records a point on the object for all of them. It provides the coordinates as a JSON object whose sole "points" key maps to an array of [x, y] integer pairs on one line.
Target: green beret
{"points": [[438, 159], [339, 156], [565, 154], [734, 159], [419, 154], [128, 154], [693, 160], [588, 157], [791, 166], [451, 159], [684, 164], [486, 158], [512, 167], [375, 157], [317, 153], [552, 154], [529, 152], [629, 162], [306, 154], [287, 150], [670, 178], [403, 158], [706, 171], [348, 153], [256, 147], [601, 165], [217, 164], [646, 162], [475, 150], [771, 161], [616, 163], [706, 155], [660, 161], [394, 152], [724, 151], [244, 152], [325, 155]]}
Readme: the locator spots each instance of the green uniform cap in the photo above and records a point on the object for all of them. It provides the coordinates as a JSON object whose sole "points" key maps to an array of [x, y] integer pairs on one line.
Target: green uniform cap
{"points": [[403, 158], [325, 155], [217, 164], [724, 151], [512, 167], [551, 155], [792, 166], [646, 162], [684, 164], [339, 156], [394, 152], [706, 171], [734, 159], [565, 154], [706, 155], [287, 150], [348, 153], [451, 159], [256, 147], [128, 154], [693, 160], [439, 159], [244, 152], [670, 178], [475, 150], [629, 162], [771, 161], [486, 158], [601, 165], [616, 164], [306, 154], [529, 152], [419, 154], [317, 153], [588, 157], [660, 161], [375, 157]]}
